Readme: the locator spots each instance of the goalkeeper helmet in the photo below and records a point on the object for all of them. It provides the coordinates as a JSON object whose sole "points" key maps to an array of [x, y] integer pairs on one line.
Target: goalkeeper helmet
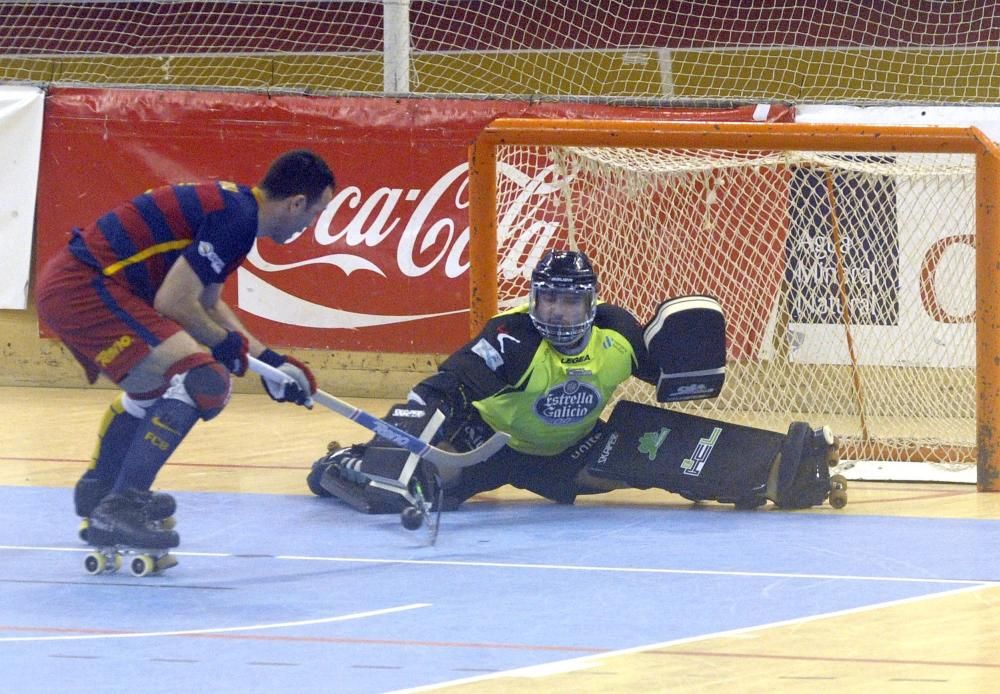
{"points": [[563, 297]]}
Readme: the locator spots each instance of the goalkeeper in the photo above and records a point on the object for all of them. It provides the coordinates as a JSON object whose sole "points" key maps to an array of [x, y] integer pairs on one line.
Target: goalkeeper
{"points": [[544, 372]]}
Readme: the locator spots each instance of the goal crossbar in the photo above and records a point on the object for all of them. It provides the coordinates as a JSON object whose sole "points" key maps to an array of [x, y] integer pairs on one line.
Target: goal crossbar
{"points": [[763, 137]]}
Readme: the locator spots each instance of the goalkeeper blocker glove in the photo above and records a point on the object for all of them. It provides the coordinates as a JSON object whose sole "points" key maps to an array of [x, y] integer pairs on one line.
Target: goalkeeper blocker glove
{"points": [[232, 352], [302, 386]]}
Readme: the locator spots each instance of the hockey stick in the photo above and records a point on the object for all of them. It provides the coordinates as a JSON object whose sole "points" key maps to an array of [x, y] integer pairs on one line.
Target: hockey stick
{"points": [[418, 513], [427, 511], [440, 457]]}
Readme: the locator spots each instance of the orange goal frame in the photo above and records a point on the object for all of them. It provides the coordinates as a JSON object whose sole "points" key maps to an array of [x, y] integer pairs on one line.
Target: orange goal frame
{"points": [[765, 136]]}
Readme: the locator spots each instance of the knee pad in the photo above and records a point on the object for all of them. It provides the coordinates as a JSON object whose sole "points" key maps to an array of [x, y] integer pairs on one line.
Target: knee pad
{"points": [[206, 387], [413, 418]]}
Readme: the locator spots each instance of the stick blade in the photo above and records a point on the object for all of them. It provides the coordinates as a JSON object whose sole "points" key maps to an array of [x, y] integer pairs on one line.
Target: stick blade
{"points": [[449, 459]]}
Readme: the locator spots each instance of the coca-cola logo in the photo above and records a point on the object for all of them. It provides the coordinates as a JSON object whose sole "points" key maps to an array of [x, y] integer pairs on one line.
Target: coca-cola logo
{"points": [[529, 218], [429, 231], [354, 221]]}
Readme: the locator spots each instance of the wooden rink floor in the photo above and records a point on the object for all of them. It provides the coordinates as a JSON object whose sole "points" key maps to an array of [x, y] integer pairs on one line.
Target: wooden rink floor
{"points": [[948, 641]]}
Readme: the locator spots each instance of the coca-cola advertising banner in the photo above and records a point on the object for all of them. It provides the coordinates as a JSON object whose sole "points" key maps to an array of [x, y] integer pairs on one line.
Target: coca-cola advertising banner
{"points": [[385, 267]]}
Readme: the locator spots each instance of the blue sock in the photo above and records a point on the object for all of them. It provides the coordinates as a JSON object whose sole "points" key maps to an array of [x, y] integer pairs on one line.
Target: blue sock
{"points": [[166, 424], [114, 436]]}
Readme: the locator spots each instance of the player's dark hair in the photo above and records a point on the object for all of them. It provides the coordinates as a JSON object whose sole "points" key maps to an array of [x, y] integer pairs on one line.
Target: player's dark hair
{"points": [[298, 172]]}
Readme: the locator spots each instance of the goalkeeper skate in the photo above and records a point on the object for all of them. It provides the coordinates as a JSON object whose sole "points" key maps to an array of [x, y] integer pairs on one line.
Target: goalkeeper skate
{"points": [[120, 527], [417, 498], [90, 491]]}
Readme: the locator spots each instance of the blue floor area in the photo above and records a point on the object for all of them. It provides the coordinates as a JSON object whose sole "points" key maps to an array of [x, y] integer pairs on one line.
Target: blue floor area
{"points": [[295, 593]]}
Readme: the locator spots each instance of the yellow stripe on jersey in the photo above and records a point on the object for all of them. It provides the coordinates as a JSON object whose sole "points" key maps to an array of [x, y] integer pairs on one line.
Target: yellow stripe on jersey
{"points": [[146, 254]]}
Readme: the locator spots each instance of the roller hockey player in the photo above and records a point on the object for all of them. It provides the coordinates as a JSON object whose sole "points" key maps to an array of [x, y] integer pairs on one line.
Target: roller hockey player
{"points": [[136, 296], [544, 372]]}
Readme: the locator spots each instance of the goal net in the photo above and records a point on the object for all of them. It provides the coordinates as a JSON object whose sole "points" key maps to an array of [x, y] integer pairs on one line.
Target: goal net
{"points": [[846, 265], [817, 51]]}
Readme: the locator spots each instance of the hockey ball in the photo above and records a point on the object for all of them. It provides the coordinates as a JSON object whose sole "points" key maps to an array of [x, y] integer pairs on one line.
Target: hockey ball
{"points": [[411, 518]]}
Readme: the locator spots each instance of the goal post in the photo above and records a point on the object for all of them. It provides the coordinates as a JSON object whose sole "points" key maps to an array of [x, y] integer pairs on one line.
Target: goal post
{"points": [[842, 255]]}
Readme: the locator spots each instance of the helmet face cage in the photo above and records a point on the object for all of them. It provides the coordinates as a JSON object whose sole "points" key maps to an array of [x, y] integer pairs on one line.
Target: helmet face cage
{"points": [[563, 299], [562, 314]]}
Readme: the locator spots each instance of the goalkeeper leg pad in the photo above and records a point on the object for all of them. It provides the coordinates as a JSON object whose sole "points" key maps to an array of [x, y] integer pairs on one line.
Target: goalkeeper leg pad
{"points": [[698, 458], [348, 474]]}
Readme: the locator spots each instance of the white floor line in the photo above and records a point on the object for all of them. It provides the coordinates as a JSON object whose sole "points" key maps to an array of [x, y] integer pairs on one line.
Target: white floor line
{"points": [[34, 548], [219, 630], [563, 567], [641, 570], [589, 661]]}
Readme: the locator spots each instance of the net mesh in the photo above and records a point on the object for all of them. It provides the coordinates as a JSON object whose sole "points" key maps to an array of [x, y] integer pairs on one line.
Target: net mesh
{"points": [[847, 279], [815, 50]]}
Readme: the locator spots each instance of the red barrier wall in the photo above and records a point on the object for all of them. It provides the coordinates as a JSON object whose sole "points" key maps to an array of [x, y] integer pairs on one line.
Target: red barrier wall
{"points": [[384, 270]]}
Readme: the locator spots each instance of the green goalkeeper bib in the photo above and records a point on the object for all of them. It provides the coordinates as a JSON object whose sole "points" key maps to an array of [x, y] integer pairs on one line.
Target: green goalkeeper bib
{"points": [[558, 398]]}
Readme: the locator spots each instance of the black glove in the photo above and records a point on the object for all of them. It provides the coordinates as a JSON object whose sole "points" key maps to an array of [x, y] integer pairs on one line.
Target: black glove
{"points": [[232, 352]]}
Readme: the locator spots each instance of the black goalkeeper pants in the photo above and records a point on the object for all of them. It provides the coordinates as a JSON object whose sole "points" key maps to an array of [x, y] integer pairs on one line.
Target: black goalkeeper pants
{"points": [[553, 477]]}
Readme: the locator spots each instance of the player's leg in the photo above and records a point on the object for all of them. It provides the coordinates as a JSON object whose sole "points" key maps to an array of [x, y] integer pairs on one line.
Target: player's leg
{"points": [[199, 389], [110, 331], [348, 473], [114, 435], [353, 474], [561, 478], [704, 459]]}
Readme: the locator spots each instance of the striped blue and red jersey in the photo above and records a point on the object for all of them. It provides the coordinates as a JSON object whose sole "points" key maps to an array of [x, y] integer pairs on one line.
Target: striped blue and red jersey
{"points": [[213, 225]]}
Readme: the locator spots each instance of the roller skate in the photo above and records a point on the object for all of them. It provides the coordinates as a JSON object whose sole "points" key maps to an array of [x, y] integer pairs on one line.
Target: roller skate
{"points": [[120, 529], [90, 491], [338, 474], [803, 476], [319, 468]]}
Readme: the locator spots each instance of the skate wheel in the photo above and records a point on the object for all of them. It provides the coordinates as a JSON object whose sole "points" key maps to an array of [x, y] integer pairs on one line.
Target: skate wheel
{"points": [[142, 564], [838, 482], [411, 518], [833, 453], [826, 434], [838, 498], [82, 530], [165, 562], [168, 523], [95, 563]]}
